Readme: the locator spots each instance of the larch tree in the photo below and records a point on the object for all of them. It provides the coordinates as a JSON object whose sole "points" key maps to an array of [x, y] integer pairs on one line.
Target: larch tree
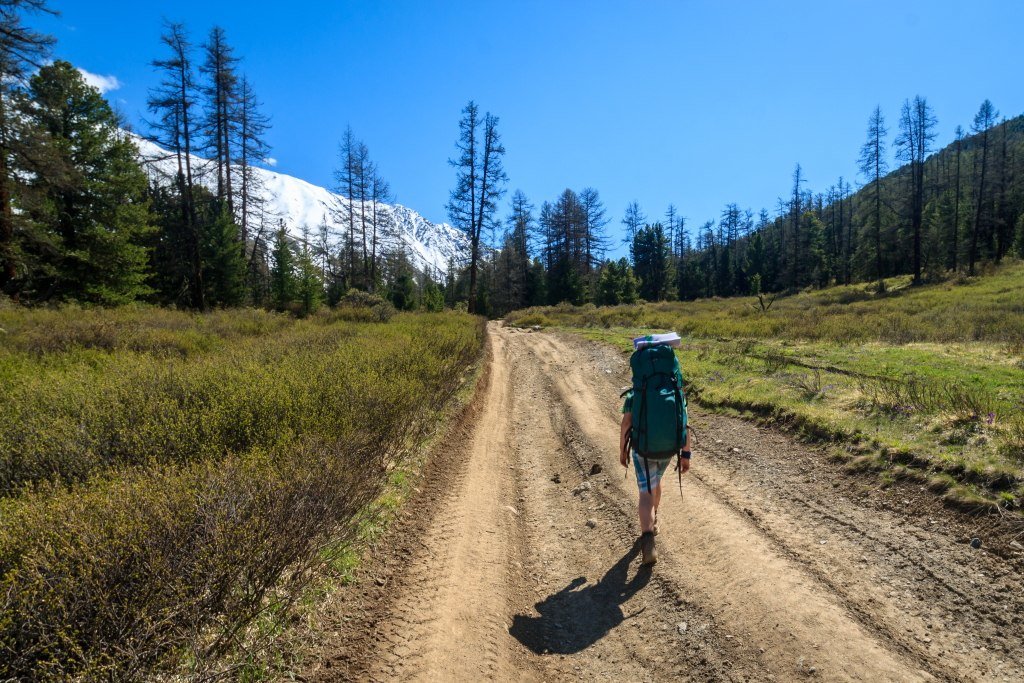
{"points": [[984, 120], [22, 50], [913, 144], [173, 103], [479, 184], [873, 166], [954, 245], [220, 90], [251, 143], [633, 220]]}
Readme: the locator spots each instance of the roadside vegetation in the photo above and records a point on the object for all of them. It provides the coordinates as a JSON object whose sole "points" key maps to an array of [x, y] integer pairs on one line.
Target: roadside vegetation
{"points": [[921, 382], [170, 482]]}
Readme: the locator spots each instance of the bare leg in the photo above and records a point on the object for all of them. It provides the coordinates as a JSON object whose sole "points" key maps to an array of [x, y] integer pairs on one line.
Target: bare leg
{"points": [[657, 499], [647, 506]]}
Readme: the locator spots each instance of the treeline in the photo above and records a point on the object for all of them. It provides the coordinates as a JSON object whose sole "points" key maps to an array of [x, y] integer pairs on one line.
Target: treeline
{"points": [[938, 213]]}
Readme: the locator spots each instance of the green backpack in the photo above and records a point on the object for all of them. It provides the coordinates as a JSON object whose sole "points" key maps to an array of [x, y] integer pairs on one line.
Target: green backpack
{"points": [[659, 404]]}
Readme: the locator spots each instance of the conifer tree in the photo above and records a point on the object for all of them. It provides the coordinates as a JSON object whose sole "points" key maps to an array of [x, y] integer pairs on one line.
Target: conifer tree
{"points": [[917, 131], [282, 271], [173, 102], [220, 121], [983, 122], [21, 50], [253, 149], [873, 166], [88, 204], [224, 263], [309, 288], [480, 179]]}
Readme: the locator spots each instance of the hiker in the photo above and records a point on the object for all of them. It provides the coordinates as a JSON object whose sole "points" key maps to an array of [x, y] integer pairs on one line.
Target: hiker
{"points": [[660, 432]]}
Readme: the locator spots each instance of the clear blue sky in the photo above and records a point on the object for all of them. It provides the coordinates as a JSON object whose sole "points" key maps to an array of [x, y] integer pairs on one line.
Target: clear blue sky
{"points": [[694, 103]]}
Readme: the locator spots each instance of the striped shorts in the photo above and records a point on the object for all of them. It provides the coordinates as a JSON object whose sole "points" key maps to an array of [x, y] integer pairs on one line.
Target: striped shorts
{"points": [[656, 469]]}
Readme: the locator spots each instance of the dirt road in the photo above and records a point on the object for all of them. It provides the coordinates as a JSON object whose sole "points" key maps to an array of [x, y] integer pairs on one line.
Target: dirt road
{"points": [[514, 562]]}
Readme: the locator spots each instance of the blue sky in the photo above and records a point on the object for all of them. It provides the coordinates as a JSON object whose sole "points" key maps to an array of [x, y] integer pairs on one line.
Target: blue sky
{"points": [[693, 103]]}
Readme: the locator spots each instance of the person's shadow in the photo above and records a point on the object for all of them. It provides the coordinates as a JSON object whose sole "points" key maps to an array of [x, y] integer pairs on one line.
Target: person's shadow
{"points": [[578, 616]]}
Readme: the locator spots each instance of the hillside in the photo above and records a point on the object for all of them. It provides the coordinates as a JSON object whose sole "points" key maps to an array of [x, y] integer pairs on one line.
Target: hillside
{"points": [[431, 246], [923, 382]]}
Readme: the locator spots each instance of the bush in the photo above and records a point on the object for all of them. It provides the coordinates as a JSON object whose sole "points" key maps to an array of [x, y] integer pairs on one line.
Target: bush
{"points": [[157, 505]]}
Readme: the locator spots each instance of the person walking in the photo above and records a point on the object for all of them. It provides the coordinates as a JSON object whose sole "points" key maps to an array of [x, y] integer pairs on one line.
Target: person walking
{"points": [[654, 428]]}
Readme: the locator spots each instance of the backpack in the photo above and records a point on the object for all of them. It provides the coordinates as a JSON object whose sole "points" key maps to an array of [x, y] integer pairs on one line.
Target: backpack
{"points": [[659, 404]]}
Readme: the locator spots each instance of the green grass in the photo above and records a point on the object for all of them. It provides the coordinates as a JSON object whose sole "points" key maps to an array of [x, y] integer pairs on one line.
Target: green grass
{"points": [[923, 382], [173, 482]]}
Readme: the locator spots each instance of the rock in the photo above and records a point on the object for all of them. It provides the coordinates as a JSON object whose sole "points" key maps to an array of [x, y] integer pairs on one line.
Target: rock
{"points": [[1016, 546], [557, 478], [585, 486], [975, 542], [735, 450], [536, 328], [381, 581], [512, 510], [681, 627], [596, 469], [591, 523]]}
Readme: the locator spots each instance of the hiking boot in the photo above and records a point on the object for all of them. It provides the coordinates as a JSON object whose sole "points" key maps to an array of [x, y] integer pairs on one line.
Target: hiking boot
{"points": [[647, 549]]}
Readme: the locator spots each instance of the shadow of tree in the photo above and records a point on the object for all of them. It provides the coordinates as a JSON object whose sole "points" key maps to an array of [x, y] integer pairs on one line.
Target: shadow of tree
{"points": [[578, 616]]}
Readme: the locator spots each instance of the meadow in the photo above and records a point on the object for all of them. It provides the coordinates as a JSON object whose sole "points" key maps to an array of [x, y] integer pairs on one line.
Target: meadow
{"points": [[168, 480], [922, 382]]}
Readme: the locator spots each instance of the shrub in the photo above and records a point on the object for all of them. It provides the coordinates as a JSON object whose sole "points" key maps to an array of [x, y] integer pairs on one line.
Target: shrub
{"points": [[157, 505]]}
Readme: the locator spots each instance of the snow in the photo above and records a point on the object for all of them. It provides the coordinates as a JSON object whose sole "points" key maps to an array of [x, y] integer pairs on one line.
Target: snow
{"points": [[430, 246]]}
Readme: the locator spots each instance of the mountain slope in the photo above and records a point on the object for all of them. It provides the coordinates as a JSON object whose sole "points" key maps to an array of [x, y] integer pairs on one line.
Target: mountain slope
{"points": [[430, 246]]}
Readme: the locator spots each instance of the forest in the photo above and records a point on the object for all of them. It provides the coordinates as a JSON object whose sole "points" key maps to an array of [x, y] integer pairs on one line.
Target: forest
{"points": [[943, 211]]}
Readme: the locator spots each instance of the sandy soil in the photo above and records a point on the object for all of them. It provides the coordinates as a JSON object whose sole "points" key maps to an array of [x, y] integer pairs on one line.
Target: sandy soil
{"points": [[515, 562]]}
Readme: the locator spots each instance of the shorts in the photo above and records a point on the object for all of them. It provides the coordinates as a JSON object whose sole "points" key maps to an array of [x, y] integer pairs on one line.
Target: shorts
{"points": [[656, 469]]}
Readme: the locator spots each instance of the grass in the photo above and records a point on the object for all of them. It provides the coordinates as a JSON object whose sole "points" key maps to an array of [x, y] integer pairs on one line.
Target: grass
{"points": [[921, 382], [173, 482]]}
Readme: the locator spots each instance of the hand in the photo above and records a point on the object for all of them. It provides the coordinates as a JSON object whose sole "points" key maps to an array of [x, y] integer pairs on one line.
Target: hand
{"points": [[684, 463], [624, 458]]}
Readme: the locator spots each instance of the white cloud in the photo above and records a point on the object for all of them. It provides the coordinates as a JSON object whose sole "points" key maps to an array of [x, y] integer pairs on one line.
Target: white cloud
{"points": [[270, 161], [102, 83]]}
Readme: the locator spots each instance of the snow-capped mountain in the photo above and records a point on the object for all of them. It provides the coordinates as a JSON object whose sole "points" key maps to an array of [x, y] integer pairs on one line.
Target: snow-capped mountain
{"points": [[431, 246]]}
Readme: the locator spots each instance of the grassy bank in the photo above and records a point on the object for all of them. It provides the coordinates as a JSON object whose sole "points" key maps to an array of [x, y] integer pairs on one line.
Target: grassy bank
{"points": [[916, 382], [169, 479]]}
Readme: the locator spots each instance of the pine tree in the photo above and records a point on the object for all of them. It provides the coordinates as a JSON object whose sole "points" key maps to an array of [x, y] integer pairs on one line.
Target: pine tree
{"points": [[90, 201]]}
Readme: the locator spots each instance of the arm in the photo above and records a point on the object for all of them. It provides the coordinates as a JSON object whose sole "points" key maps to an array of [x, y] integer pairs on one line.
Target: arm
{"points": [[684, 457], [627, 423]]}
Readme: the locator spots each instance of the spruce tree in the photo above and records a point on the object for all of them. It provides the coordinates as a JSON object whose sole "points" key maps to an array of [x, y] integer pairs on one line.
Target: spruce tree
{"points": [[224, 264], [282, 271]]}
